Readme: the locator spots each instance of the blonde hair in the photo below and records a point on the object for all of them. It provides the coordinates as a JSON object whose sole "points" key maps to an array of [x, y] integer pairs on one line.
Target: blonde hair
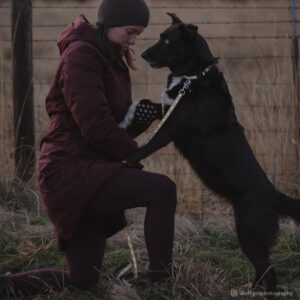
{"points": [[113, 51]]}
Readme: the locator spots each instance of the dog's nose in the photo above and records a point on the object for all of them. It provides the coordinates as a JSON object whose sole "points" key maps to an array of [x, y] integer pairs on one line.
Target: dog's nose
{"points": [[144, 54]]}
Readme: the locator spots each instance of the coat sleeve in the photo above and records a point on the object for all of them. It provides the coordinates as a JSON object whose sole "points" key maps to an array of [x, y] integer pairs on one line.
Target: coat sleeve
{"points": [[82, 85]]}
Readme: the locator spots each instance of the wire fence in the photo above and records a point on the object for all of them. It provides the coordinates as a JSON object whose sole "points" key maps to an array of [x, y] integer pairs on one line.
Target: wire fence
{"points": [[212, 7], [270, 22]]}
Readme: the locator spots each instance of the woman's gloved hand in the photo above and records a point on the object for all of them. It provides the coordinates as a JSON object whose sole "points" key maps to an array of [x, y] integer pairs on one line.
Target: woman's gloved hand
{"points": [[140, 115]]}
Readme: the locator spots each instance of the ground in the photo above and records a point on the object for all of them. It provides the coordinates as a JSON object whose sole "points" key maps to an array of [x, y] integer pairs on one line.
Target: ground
{"points": [[210, 262]]}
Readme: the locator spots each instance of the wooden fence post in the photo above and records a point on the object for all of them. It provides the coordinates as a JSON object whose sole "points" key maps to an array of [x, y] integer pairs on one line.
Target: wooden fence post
{"points": [[295, 58], [21, 17], [295, 47]]}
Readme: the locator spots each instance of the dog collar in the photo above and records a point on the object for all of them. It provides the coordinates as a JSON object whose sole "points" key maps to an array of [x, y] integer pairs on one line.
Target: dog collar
{"points": [[186, 86], [187, 83], [202, 74]]}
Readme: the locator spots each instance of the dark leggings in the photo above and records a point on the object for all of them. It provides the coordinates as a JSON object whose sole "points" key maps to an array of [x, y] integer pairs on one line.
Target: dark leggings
{"points": [[84, 253]]}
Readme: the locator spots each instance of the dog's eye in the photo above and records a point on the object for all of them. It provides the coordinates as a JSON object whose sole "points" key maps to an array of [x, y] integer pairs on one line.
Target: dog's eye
{"points": [[166, 41]]}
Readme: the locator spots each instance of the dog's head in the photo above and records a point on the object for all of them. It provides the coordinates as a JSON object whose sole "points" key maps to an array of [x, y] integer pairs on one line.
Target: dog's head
{"points": [[178, 45]]}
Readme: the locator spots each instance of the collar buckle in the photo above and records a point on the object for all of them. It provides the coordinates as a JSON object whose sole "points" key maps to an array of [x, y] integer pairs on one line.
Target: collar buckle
{"points": [[186, 86]]}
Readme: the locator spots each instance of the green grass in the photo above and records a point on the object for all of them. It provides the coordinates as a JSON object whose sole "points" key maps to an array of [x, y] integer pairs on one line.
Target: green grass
{"points": [[40, 220], [219, 239], [213, 265]]}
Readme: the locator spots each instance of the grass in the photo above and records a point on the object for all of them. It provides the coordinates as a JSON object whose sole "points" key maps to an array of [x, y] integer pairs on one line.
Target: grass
{"points": [[208, 258], [210, 262]]}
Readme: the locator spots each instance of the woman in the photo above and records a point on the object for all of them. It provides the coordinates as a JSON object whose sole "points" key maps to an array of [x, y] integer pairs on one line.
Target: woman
{"points": [[84, 183]]}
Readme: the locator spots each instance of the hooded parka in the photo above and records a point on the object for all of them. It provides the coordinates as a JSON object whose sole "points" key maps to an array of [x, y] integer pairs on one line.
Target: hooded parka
{"points": [[84, 146]]}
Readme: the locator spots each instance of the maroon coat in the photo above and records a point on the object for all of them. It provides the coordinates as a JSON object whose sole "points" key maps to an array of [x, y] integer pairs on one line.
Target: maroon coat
{"points": [[83, 147]]}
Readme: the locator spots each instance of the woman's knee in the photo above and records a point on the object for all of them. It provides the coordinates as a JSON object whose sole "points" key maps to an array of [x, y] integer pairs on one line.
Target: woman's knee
{"points": [[169, 186], [166, 188]]}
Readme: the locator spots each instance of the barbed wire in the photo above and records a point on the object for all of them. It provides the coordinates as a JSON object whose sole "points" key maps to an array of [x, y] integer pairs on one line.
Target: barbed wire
{"points": [[228, 81], [46, 58], [220, 57], [254, 37], [234, 7], [167, 23], [232, 22], [256, 57], [252, 106], [238, 37], [162, 83], [239, 106], [246, 131], [260, 83]]}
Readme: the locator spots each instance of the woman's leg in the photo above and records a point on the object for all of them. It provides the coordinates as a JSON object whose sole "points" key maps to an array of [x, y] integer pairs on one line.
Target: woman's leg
{"points": [[136, 188], [37, 281], [84, 255], [84, 252]]}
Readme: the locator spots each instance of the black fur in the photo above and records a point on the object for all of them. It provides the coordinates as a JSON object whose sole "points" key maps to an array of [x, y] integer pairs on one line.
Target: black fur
{"points": [[205, 129]]}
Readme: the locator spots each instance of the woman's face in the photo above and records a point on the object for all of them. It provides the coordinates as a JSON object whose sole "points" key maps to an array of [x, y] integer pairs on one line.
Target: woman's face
{"points": [[125, 36]]}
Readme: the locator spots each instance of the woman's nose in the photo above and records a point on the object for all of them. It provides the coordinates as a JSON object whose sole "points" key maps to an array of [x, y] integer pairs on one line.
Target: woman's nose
{"points": [[132, 40]]}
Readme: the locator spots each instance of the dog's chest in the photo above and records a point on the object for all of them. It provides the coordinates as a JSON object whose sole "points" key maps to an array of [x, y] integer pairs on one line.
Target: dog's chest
{"points": [[166, 100]]}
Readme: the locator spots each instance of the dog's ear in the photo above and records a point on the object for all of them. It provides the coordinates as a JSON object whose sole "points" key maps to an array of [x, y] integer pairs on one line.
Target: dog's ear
{"points": [[204, 52], [192, 27], [175, 19], [189, 31]]}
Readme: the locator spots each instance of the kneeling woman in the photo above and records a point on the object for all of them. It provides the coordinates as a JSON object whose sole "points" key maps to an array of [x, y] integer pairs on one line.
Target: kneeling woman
{"points": [[83, 182]]}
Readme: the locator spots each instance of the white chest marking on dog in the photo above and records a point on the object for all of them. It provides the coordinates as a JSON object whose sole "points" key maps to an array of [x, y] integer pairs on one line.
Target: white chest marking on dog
{"points": [[166, 100], [175, 81]]}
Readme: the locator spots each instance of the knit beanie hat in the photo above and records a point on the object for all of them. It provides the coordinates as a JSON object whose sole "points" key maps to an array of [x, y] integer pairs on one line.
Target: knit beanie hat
{"points": [[123, 13]]}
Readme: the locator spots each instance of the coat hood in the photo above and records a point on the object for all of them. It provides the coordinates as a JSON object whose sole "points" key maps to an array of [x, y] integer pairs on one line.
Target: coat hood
{"points": [[81, 29]]}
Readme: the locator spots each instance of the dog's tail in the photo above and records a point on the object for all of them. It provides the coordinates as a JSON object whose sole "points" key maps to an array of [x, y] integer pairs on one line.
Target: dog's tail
{"points": [[289, 206]]}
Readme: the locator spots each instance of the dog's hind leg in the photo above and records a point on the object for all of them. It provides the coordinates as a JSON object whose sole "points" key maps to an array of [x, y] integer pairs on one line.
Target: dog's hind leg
{"points": [[256, 238], [264, 272], [258, 254]]}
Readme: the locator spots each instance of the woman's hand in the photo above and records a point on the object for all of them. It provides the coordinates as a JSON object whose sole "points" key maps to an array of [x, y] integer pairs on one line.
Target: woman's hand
{"points": [[140, 115]]}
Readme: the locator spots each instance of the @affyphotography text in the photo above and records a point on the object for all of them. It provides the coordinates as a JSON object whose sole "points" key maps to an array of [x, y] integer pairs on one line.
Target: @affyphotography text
{"points": [[238, 293]]}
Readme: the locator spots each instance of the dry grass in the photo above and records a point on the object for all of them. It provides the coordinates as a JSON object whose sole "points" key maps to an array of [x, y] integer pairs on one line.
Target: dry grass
{"points": [[208, 259], [124, 292]]}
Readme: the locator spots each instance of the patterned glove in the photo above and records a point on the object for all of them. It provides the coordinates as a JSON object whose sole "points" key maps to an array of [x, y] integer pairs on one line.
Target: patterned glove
{"points": [[140, 115]]}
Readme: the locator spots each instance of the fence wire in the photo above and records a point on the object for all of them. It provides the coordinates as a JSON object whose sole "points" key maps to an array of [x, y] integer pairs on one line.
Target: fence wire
{"points": [[234, 7]]}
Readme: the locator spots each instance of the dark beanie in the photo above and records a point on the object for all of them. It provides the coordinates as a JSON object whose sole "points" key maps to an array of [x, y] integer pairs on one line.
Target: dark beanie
{"points": [[123, 13]]}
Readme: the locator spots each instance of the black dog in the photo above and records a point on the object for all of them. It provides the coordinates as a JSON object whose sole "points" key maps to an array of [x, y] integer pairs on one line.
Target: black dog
{"points": [[205, 129]]}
